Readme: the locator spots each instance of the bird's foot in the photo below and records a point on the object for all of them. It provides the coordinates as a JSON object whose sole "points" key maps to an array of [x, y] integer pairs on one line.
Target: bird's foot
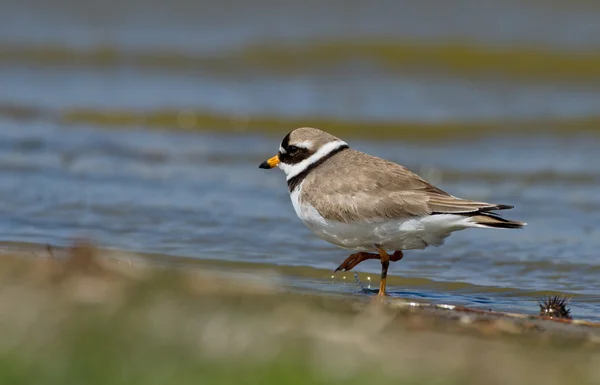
{"points": [[354, 259]]}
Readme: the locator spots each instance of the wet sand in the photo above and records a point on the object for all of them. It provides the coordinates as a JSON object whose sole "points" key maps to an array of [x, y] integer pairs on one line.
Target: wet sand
{"points": [[119, 317]]}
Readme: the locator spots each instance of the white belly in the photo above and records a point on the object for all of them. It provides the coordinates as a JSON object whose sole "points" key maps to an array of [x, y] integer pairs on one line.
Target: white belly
{"points": [[401, 234]]}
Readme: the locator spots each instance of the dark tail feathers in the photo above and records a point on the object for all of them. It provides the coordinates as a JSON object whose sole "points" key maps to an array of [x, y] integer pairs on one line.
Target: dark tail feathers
{"points": [[495, 221]]}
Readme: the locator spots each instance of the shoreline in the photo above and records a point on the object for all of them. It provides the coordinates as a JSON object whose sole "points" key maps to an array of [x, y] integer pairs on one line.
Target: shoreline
{"points": [[104, 319], [138, 264]]}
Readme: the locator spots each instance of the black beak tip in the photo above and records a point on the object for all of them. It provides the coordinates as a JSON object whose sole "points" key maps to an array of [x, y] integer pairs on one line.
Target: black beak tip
{"points": [[264, 164]]}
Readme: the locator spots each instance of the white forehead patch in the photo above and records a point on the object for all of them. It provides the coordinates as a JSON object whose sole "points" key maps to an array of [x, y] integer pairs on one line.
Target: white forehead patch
{"points": [[304, 144], [307, 144], [291, 170]]}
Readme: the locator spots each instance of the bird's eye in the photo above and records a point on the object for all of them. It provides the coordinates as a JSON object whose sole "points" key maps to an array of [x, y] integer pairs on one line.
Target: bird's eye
{"points": [[292, 150]]}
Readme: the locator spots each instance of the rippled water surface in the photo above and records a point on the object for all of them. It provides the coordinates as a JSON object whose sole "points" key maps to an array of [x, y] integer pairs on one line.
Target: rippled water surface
{"points": [[105, 175], [202, 195]]}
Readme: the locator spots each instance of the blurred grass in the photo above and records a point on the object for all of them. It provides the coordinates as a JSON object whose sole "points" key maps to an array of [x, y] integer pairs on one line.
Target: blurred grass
{"points": [[80, 318], [458, 57], [204, 120]]}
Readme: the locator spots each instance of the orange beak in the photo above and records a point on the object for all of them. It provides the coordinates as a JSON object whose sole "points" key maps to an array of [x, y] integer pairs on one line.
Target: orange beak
{"points": [[272, 162]]}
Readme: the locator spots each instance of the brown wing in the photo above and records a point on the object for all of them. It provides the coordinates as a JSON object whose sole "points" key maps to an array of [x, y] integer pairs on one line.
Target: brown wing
{"points": [[376, 189]]}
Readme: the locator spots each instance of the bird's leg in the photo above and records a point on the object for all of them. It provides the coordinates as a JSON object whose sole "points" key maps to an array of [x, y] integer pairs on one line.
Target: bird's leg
{"points": [[398, 255], [354, 259], [385, 263]]}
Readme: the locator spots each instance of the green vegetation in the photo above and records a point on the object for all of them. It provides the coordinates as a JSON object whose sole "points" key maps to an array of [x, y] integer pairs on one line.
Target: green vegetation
{"points": [[203, 120], [207, 121], [458, 57], [80, 318]]}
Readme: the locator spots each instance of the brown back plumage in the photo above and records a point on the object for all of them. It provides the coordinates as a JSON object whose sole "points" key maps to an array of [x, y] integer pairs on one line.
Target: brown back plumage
{"points": [[354, 186]]}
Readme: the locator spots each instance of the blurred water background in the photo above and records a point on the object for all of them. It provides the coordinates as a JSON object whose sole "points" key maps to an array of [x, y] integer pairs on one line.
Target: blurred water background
{"points": [[141, 125]]}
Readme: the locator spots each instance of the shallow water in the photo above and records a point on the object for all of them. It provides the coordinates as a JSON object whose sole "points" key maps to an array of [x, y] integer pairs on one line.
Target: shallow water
{"points": [[201, 194]]}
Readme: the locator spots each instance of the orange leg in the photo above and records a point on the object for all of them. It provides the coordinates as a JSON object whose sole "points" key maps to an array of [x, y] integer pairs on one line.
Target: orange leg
{"points": [[385, 263], [398, 255], [354, 259]]}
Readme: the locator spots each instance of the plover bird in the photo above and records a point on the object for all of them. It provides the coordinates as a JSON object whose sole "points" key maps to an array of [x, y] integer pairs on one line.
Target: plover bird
{"points": [[367, 204]]}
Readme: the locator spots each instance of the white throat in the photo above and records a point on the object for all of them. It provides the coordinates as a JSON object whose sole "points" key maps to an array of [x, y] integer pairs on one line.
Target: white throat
{"points": [[291, 170]]}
